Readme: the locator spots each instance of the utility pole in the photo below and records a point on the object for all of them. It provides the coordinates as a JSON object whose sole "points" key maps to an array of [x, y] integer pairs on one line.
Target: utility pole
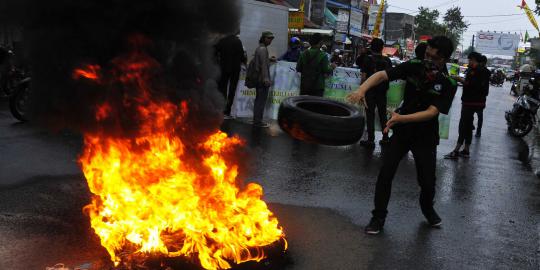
{"points": [[473, 36]]}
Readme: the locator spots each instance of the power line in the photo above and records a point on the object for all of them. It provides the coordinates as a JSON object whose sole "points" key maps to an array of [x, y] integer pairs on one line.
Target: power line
{"points": [[489, 16], [511, 20]]}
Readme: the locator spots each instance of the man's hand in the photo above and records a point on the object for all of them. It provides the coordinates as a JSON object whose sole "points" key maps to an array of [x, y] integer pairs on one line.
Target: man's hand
{"points": [[395, 119], [267, 83], [273, 59], [333, 65], [358, 97]]}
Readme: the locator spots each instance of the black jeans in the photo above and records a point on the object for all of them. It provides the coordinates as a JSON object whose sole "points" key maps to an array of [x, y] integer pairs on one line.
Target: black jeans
{"points": [[424, 154], [480, 113], [466, 123], [227, 86], [261, 95], [377, 100]]}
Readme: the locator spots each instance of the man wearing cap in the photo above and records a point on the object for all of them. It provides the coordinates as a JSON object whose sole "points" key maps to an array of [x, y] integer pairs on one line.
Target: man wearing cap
{"points": [[262, 62]]}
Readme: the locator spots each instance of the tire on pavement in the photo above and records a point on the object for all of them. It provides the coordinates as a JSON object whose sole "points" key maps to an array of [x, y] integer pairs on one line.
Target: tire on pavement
{"points": [[321, 120]]}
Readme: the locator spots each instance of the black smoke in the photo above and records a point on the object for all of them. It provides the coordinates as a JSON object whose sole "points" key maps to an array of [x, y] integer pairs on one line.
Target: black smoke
{"points": [[61, 35]]}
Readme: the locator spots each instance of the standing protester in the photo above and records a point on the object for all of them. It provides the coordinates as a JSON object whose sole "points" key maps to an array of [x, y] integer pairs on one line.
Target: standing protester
{"points": [[337, 58], [262, 63], [473, 100], [428, 92], [376, 98], [313, 66], [293, 53], [230, 55], [480, 113], [324, 49]]}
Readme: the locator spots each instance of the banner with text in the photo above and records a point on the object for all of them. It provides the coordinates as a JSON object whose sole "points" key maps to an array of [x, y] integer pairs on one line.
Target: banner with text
{"points": [[287, 84]]}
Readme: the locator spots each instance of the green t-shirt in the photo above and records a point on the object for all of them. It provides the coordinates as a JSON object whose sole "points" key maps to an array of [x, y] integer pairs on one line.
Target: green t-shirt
{"points": [[313, 66]]}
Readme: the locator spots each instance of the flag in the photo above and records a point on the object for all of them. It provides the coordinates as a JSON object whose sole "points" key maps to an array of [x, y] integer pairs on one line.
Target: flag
{"points": [[526, 39], [529, 13], [376, 31], [302, 4]]}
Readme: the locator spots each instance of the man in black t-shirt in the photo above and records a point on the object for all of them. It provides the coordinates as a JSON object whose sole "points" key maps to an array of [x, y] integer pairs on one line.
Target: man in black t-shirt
{"points": [[376, 98], [473, 100], [428, 91]]}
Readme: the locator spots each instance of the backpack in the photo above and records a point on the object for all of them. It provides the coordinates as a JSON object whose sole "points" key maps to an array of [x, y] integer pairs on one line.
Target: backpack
{"points": [[252, 74]]}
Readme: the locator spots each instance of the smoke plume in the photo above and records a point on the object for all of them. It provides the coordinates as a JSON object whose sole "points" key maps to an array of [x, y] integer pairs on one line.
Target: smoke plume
{"points": [[62, 35]]}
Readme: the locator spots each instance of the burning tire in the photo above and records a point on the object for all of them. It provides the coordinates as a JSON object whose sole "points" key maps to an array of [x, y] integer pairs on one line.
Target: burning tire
{"points": [[321, 120]]}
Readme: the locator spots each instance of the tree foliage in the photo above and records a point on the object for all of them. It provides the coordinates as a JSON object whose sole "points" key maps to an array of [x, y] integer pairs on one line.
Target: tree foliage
{"points": [[426, 22], [453, 25]]}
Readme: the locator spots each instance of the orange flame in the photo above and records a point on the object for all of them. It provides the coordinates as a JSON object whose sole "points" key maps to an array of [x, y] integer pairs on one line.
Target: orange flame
{"points": [[152, 198], [90, 72]]}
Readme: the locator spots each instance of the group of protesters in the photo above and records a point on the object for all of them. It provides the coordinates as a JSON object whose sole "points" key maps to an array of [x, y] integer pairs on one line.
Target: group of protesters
{"points": [[429, 91]]}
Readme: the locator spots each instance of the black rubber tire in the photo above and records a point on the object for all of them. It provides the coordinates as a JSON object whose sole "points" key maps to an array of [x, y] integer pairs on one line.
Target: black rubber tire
{"points": [[321, 120], [18, 102]]}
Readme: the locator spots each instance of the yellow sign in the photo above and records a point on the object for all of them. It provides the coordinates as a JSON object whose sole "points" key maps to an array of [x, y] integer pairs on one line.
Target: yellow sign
{"points": [[296, 20], [521, 50]]}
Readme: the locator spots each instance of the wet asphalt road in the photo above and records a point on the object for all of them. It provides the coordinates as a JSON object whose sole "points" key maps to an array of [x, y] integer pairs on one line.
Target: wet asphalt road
{"points": [[322, 195]]}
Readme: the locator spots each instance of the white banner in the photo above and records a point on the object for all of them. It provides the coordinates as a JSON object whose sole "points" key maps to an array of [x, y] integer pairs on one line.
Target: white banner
{"points": [[287, 84], [497, 43], [355, 28], [373, 11], [342, 23]]}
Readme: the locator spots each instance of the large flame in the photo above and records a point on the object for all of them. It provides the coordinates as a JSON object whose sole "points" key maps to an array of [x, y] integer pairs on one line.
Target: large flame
{"points": [[152, 197]]}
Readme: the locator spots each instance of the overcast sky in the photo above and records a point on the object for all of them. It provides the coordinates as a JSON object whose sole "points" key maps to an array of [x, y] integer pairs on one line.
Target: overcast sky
{"points": [[516, 23]]}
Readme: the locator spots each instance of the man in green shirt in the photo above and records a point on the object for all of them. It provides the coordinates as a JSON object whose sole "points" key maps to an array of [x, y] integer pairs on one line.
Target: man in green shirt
{"points": [[313, 66]]}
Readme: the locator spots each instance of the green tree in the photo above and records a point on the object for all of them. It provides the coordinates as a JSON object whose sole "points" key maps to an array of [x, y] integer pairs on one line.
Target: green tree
{"points": [[426, 22], [468, 51], [454, 24]]}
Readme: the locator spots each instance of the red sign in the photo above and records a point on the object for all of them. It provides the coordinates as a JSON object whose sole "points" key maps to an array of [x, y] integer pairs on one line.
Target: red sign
{"points": [[485, 36], [424, 38]]}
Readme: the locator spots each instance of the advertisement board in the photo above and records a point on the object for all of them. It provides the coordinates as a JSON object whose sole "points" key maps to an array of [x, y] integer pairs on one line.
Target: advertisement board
{"points": [[342, 21], [357, 17], [497, 43], [296, 20]]}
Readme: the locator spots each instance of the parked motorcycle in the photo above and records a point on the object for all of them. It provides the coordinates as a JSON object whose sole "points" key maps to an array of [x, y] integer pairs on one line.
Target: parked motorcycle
{"points": [[515, 87], [497, 80], [521, 118], [19, 100]]}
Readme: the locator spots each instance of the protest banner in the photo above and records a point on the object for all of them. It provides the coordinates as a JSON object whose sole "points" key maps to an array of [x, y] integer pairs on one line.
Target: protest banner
{"points": [[286, 83]]}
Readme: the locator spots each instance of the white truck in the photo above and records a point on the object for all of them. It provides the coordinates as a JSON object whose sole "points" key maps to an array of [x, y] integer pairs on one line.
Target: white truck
{"points": [[258, 17]]}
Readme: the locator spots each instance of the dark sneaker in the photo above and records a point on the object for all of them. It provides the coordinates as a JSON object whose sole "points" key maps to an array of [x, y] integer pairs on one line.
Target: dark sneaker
{"points": [[367, 143], [433, 219], [375, 226], [452, 155], [384, 141], [478, 134], [261, 124], [464, 154], [227, 117]]}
